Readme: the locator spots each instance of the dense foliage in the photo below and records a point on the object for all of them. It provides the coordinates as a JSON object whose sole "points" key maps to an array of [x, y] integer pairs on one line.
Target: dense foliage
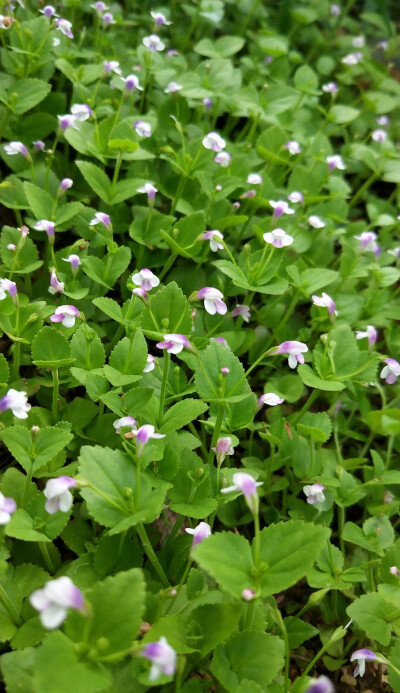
{"points": [[198, 301]]}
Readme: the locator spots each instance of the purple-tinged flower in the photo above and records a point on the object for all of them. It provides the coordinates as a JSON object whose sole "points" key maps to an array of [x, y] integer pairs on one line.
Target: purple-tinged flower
{"points": [[248, 594], [213, 302], [280, 207], [150, 191], [150, 364], [370, 333], [172, 52], [222, 341], [101, 218], [294, 349], [254, 179], [11, 246], [146, 433], [248, 487], [99, 7], [45, 225], [388, 497], [145, 279], [81, 111], [7, 507], [278, 238], [58, 494], [202, 531], [66, 184], [271, 399], [24, 231], [222, 449], [335, 161], [224, 370], [54, 600], [335, 10], [384, 45], [379, 135], [325, 301], [248, 195], [393, 570], [391, 371], [207, 103], [236, 205], [395, 252], [125, 422], [17, 401], [160, 19], [67, 121], [142, 128], [352, 58], [74, 261], [316, 222], [213, 236], [368, 242], [383, 120], [13, 148], [153, 43], [162, 658], [65, 27], [269, 59], [66, 315], [55, 285], [141, 293], [243, 311], [38, 145], [330, 88], [358, 42], [293, 147], [362, 656], [320, 685], [172, 88], [214, 142], [108, 19], [49, 11], [314, 493], [223, 159], [7, 285], [296, 196], [112, 66], [174, 343], [132, 83]]}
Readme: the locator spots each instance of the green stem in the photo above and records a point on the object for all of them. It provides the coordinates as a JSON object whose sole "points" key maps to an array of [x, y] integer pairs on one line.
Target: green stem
{"points": [[116, 173], [281, 624], [217, 430], [313, 396], [54, 407], [167, 266], [151, 555], [28, 480], [180, 189], [181, 583], [256, 542], [138, 483], [167, 359], [373, 177], [46, 557], [9, 606]]}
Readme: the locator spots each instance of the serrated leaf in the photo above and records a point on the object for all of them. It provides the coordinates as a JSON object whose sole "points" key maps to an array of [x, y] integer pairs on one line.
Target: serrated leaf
{"points": [[207, 375], [96, 179], [312, 380], [50, 349]]}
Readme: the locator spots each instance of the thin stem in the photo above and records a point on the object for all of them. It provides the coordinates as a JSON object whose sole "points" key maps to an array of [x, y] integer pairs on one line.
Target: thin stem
{"points": [[217, 430], [116, 172], [28, 480], [151, 555], [178, 194], [256, 542], [54, 407], [167, 359], [138, 484], [313, 396], [281, 624], [9, 606], [46, 557]]}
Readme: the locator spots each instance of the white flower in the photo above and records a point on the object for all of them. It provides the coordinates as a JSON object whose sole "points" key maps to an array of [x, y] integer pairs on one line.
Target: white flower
{"points": [[293, 147], [278, 238], [245, 483], [54, 600], [294, 349], [172, 88], [271, 399], [65, 27], [145, 279], [162, 657], [153, 43], [314, 493], [7, 507], [370, 334], [243, 311], [81, 111], [368, 241], [101, 218], [213, 236], [142, 128], [352, 59], [6, 285], [214, 141], [149, 189], [391, 371], [335, 161], [223, 159], [58, 494], [330, 88], [112, 66], [17, 401], [201, 532], [383, 120], [280, 207], [325, 301], [67, 121], [160, 19], [13, 148], [174, 343], [379, 135], [212, 300], [150, 364], [254, 179], [296, 196], [55, 285], [132, 83], [316, 222], [362, 656], [125, 422], [358, 42], [74, 260], [66, 315], [146, 433]]}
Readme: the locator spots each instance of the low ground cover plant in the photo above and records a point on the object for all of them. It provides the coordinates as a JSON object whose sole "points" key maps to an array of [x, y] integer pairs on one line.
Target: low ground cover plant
{"points": [[199, 405]]}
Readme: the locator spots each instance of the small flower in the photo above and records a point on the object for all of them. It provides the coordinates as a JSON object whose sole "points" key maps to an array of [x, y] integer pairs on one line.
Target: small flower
{"points": [[383, 120], [66, 183], [379, 135], [66, 315], [174, 343], [132, 83], [108, 19], [7, 285], [150, 364], [254, 179], [58, 494], [222, 341], [7, 507], [358, 41], [214, 142], [314, 493], [395, 252], [141, 293], [224, 370], [101, 218], [67, 121], [362, 656], [293, 147], [222, 449], [316, 222], [213, 236], [17, 401], [207, 103], [278, 238], [99, 7], [125, 422], [172, 88], [142, 128], [162, 658], [48, 11], [294, 349], [54, 600], [11, 246], [388, 497], [296, 196], [45, 225], [243, 311], [112, 66], [352, 58], [65, 27], [38, 145], [320, 685], [384, 45], [325, 301], [160, 19], [248, 595], [149, 189], [222, 158], [202, 531], [55, 285], [74, 260], [81, 111], [249, 194], [330, 88], [370, 333], [368, 241], [146, 433], [394, 571], [271, 399], [248, 487], [280, 207], [335, 10], [213, 302], [153, 43], [13, 148], [335, 161], [145, 279], [391, 371]]}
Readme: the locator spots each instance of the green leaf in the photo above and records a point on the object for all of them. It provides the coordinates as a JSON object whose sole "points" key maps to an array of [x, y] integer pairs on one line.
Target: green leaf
{"points": [[249, 655], [191, 492], [17, 670], [185, 234], [67, 212], [4, 371], [312, 380], [216, 622], [208, 376], [50, 349], [127, 360], [96, 179], [28, 257], [107, 271], [305, 79], [36, 451], [87, 349], [343, 114], [227, 557], [346, 353], [298, 631], [317, 427], [169, 312], [110, 308], [27, 93], [181, 414], [373, 615], [40, 202], [224, 47]]}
